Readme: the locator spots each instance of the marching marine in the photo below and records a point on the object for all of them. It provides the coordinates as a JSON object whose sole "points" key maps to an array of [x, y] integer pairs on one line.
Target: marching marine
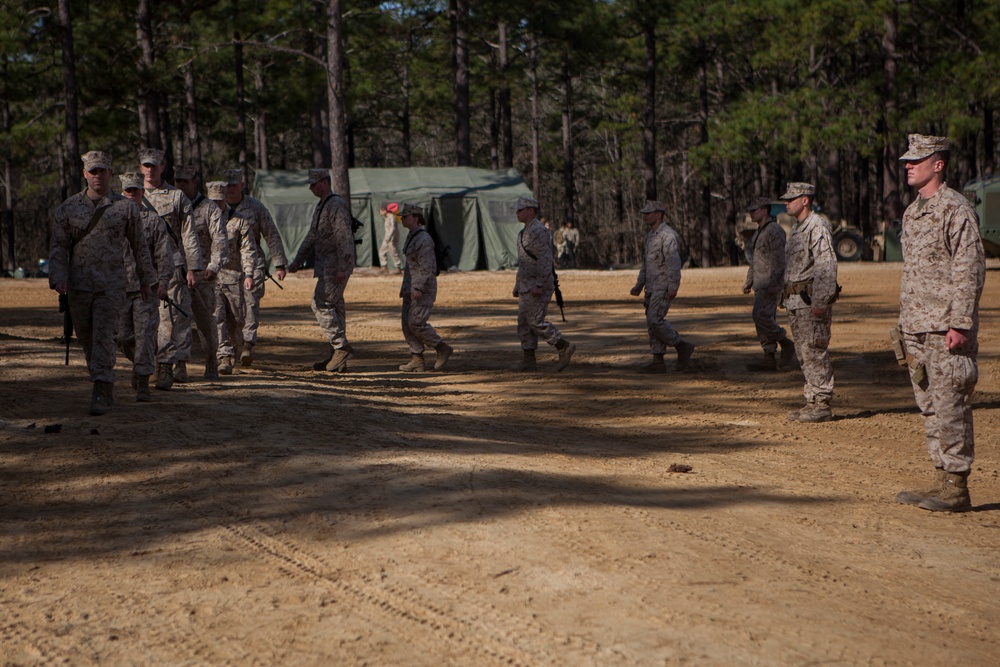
{"points": [[766, 277]]}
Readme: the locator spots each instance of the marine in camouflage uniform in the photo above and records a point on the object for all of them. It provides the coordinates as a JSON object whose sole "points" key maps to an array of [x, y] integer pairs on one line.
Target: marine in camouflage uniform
{"points": [[418, 291], [660, 276], [534, 286], [944, 270], [810, 267], [89, 267], [140, 317], [175, 328], [766, 277], [390, 240], [261, 227], [211, 233], [332, 238], [232, 282]]}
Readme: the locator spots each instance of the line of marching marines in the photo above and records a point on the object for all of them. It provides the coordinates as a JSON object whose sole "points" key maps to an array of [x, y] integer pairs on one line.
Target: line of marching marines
{"points": [[202, 256]]}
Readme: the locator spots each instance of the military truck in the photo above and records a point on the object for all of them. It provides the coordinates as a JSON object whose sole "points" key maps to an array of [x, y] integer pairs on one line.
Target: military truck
{"points": [[848, 243], [984, 193]]}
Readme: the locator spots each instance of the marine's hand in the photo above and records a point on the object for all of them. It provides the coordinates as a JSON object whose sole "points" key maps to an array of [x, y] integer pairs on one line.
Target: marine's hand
{"points": [[956, 338], [190, 279], [341, 276], [635, 291], [248, 283], [746, 289], [280, 271], [209, 274], [145, 292], [671, 294], [818, 312], [516, 293], [536, 291], [60, 287], [161, 292], [293, 267], [416, 294]]}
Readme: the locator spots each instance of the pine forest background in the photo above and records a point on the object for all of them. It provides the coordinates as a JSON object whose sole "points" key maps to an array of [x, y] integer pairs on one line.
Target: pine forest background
{"points": [[599, 103]]}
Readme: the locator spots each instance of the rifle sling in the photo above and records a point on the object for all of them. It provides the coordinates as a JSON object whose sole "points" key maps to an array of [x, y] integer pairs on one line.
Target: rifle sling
{"points": [[94, 219], [520, 242]]}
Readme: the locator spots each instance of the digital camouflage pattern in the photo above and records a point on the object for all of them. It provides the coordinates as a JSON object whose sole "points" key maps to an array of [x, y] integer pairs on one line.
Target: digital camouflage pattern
{"points": [[421, 266], [262, 227], [944, 271], [331, 238], [766, 277], [809, 256], [230, 302], [534, 270], [660, 276], [140, 317]]}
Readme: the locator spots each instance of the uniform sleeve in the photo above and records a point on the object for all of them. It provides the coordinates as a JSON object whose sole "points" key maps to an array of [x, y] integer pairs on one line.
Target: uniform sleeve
{"points": [[640, 280], [220, 240], [306, 247], [59, 248], [537, 240], [248, 248], [343, 238], [824, 266], [670, 257], [421, 262], [189, 236], [270, 233], [164, 249], [140, 251], [968, 269]]}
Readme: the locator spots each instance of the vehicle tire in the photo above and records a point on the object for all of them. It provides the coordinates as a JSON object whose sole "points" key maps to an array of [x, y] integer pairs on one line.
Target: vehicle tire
{"points": [[848, 244]]}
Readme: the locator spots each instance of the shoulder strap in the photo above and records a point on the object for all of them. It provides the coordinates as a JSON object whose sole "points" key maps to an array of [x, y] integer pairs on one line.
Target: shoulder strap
{"points": [[94, 219], [149, 207], [520, 242]]}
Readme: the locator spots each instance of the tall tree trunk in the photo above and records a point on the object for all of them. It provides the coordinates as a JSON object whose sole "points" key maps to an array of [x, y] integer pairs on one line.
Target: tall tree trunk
{"points": [[149, 110], [335, 99], [7, 222], [569, 167], [459, 13], [649, 124], [260, 118], [706, 189], [494, 130], [241, 108], [865, 199], [193, 143], [989, 154], [533, 77], [506, 119], [71, 92], [835, 202], [404, 119], [892, 205]]}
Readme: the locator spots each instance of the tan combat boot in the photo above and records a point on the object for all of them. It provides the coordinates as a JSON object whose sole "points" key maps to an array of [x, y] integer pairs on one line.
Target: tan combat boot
{"points": [[164, 376], [415, 365], [684, 352], [246, 357], [787, 358], [528, 362], [226, 365], [953, 496], [321, 364], [768, 363], [142, 389], [338, 362], [816, 412], [657, 365], [917, 497], [566, 350], [180, 371], [98, 399], [444, 352]]}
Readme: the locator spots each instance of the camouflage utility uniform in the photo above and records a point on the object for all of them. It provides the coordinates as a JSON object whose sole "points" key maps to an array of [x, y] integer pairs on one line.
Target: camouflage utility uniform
{"points": [[943, 275], [534, 270], [331, 237], [175, 329], [261, 227], [214, 245], [766, 277], [93, 267], [420, 274], [660, 275], [140, 318], [230, 303], [811, 266]]}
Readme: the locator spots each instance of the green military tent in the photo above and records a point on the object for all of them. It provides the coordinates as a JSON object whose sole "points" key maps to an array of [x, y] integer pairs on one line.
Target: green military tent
{"points": [[467, 210]]}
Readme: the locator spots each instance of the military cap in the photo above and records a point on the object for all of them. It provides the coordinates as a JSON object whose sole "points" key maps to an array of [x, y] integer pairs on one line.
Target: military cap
{"points": [[409, 209], [131, 179], [525, 202], [186, 173], [799, 190], [758, 202], [96, 160], [216, 190], [152, 156], [317, 175], [232, 176], [653, 206], [922, 145]]}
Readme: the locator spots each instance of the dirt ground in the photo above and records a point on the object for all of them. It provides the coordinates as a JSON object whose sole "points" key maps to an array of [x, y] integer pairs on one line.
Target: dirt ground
{"points": [[485, 517]]}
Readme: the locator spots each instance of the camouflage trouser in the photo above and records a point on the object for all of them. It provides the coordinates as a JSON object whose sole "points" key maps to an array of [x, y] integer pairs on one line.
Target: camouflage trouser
{"points": [[531, 324], [387, 248], [251, 318], [331, 313], [203, 311], [175, 329], [812, 338], [765, 309], [661, 334], [230, 309], [137, 332], [95, 318], [417, 332], [945, 398]]}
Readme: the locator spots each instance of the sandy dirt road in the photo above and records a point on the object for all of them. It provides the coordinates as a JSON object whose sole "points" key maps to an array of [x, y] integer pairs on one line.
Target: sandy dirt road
{"points": [[484, 517]]}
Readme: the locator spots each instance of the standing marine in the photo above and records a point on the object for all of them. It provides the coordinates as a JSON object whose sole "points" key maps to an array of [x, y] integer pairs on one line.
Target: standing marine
{"points": [[766, 277]]}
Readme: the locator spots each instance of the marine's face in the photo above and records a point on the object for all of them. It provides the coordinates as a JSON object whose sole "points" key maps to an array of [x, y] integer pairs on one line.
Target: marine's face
{"points": [[234, 193], [134, 194], [759, 215], [526, 215], [152, 172], [410, 221], [921, 172], [189, 186], [98, 180], [794, 206], [652, 218]]}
